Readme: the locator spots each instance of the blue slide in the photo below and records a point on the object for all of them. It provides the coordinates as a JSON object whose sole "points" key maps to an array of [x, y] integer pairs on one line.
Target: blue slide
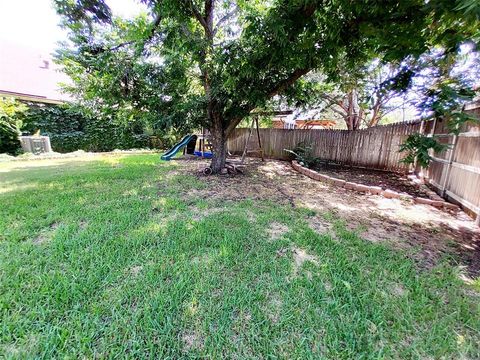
{"points": [[171, 153]]}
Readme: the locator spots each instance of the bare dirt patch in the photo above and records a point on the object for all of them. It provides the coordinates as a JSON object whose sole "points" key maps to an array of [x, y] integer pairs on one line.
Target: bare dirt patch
{"points": [[276, 231], [41, 239], [199, 214], [202, 259], [398, 290], [251, 217], [46, 234], [242, 316], [55, 225], [260, 182], [135, 270], [274, 308], [192, 340], [282, 252], [300, 256], [319, 225], [20, 351], [398, 223]]}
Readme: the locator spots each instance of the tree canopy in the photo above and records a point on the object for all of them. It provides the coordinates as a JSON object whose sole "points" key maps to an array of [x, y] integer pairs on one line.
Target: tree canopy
{"points": [[210, 63]]}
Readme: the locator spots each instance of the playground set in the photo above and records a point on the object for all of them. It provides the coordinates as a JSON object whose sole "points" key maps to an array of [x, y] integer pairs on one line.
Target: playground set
{"points": [[199, 145]]}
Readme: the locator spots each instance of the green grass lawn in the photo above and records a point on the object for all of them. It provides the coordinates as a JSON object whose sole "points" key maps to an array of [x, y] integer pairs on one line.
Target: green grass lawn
{"points": [[117, 258]]}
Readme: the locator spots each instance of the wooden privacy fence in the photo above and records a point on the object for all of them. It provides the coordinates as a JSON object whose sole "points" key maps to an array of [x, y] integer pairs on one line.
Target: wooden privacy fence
{"points": [[455, 173], [376, 147]]}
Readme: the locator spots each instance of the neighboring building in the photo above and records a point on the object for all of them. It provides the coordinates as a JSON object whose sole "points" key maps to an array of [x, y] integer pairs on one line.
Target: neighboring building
{"points": [[302, 120], [30, 75], [303, 124]]}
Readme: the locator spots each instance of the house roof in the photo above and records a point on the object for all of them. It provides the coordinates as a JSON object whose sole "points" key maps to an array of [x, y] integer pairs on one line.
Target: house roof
{"points": [[307, 124], [313, 121], [305, 118], [317, 122], [29, 74]]}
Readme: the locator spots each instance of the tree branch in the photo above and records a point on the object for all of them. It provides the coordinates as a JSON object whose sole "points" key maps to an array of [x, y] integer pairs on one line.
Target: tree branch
{"points": [[151, 34], [153, 27], [209, 5], [343, 115], [196, 13], [116, 47], [334, 101], [276, 89], [225, 18], [284, 84]]}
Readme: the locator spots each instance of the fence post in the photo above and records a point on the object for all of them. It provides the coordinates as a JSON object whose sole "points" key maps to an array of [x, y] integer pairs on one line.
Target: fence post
{"points": [[449, 165]]}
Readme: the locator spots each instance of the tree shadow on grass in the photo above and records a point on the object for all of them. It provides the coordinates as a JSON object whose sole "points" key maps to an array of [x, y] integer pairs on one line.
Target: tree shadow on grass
{"points": [[431, 233], [147, 267]]}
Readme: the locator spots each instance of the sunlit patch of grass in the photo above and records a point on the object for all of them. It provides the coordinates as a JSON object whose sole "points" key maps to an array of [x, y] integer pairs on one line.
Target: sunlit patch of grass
{"points": [[133, 262]]}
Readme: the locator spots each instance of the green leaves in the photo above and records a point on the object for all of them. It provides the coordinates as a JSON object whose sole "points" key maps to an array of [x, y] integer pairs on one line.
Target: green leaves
{"points": [[185, 66], [469, 7], [11, 116], [84, 11], [305, 155], [418, 147], [446, 96], [72, 127]]}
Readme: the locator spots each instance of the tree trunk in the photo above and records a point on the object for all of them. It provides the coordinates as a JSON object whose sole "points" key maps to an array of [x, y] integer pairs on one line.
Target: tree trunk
{"points": [[376, 116], [219, 142], [354, 113]]}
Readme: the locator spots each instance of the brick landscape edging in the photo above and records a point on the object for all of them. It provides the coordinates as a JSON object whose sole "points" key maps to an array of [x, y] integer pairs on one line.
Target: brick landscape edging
{"points": [[435, 201]]}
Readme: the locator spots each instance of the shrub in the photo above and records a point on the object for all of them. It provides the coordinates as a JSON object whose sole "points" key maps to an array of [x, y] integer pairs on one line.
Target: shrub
{"points": [[64, 124], [72, 127], [417, 146], [11, 113], [304, 154], [9, 133]]}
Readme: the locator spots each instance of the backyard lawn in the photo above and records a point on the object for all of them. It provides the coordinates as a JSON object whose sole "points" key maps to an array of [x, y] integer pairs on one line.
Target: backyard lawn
{"points": [[128, 256]]}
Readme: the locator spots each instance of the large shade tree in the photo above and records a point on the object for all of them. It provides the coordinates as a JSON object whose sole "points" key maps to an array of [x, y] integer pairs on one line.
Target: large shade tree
{"points": [[212, 62]]}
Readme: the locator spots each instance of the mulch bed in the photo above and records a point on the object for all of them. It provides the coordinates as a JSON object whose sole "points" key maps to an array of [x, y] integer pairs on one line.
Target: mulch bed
{"points": [[387, 180]]}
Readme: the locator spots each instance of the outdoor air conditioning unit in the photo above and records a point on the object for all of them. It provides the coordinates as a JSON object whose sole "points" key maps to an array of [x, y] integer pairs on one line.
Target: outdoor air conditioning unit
{"points": [[36, 144]]}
